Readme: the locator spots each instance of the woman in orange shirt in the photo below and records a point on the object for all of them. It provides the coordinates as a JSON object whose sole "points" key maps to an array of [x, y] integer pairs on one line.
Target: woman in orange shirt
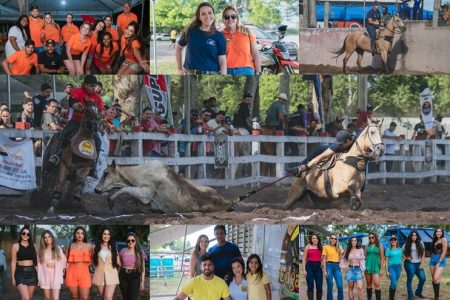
{"points": [[96, 38], [51, 30], [132, 52], [105, 53], [77, 50]]}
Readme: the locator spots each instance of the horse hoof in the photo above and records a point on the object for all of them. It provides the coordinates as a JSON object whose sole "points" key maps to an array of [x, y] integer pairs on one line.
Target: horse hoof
{"points": [[355, 204]]}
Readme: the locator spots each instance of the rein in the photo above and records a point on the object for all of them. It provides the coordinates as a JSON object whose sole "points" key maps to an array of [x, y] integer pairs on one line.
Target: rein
{"points": [[395, 27]]}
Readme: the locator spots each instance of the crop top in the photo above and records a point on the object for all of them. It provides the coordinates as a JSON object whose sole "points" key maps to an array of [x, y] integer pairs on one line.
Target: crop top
{"points": [[129, 260], [437, 249], [83, 255], [26, 253], [313, 255]]}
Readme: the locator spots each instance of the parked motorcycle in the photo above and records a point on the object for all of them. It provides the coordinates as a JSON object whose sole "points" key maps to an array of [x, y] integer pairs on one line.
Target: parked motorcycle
{"points": [[276, 58]]}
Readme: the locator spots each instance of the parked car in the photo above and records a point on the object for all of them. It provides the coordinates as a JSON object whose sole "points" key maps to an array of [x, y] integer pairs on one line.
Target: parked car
{"points": [[161, 37]]}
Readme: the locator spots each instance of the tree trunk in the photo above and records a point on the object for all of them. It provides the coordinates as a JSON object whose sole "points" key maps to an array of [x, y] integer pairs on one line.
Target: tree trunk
{"points": [[362, 92], [251, 86], [325, 84], [23, 7], [285, 81], [128, 89], [312, 23], [436, 8]]}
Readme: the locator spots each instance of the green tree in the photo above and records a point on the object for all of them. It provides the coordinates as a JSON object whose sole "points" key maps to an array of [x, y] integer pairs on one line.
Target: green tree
{"points": [[263, 14]]}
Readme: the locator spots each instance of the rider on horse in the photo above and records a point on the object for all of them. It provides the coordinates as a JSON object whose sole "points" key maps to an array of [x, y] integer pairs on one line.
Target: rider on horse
{"points": [[79, 98], [373, 22]]}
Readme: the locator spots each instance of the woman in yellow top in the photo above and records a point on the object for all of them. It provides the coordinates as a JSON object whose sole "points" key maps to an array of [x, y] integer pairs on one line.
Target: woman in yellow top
{"points": [[258, 281], [331, 255]]}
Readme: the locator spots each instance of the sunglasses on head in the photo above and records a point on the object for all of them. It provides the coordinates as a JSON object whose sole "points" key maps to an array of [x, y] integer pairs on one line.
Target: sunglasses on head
{"points": [[227, 17], [131, 241], [26, 234]]}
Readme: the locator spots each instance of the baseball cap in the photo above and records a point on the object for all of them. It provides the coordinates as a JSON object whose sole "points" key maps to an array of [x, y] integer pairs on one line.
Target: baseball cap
{"points": [[90, 79], [50, 41], [342, 136]]}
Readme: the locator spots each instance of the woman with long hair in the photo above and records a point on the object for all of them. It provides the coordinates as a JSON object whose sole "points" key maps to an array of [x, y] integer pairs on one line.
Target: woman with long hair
{"points": [[242, 50], [132, 51], [354, 263], [79, 257], [199, 250], [97, 32], [51, 31], [393, 265], [312, 266], [205, 46], [77, 49], [132, 271], [107, 263], [51, 265], [238, 285], [17, 36], [258, 281], [438, 259], [105, 53], [5, 119], [414, 255], [331, 255], [374, 261]]}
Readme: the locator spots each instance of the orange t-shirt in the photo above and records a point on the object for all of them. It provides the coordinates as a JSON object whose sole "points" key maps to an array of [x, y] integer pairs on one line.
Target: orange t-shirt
{"points": [[35, 30], [51, 32], [94, 42], [123, 20], [128, 53], [68, 30], [114, 34], [77, 46], [106, 56], [21, 64], [239, 54]]}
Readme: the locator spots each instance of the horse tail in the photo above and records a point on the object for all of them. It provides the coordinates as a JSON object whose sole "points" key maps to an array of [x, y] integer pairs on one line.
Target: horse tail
{"points": [[340, 51]]}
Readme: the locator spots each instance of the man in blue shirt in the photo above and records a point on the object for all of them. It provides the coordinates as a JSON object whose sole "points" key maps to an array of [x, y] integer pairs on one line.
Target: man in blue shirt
{"points": [[373, 22], [223, 253]]}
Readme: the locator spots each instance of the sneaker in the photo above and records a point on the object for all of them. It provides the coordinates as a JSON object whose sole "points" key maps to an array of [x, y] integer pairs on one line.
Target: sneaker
{"points": [[54, 160]]}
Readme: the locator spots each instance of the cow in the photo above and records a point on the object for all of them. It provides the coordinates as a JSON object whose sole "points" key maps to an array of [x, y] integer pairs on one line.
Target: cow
{"points": [[157, 185]]}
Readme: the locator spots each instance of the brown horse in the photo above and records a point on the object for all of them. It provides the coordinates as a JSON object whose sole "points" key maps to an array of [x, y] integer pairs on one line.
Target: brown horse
{"points": [[346, 177], [77, 159], [359, 41]]}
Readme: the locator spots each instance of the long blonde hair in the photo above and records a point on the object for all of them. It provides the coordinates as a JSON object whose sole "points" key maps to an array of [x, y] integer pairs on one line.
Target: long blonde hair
{"points": [[56, 250], [239, 26]]}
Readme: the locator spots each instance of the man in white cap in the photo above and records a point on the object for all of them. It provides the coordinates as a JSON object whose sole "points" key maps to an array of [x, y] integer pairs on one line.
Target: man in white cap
{"points": [[276, 114]]}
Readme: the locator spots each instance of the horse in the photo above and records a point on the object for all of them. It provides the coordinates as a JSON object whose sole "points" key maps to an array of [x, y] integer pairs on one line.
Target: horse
{"points": [[77, 159], [346, 176], [359, 41]]}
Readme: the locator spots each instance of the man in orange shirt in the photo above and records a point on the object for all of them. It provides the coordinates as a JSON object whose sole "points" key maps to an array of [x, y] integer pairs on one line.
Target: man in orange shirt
{"points": [[69, 29], [108, 24], [21, 62], [36, 23], [125, 18]]}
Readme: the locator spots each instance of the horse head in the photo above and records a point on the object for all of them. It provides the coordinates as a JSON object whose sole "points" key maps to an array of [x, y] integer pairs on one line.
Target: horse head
{"points": [[370, 141], [397, 22]]}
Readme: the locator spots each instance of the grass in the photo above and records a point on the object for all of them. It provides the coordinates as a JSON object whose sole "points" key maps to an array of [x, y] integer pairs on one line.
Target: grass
{"points": [[159, 286], [166, 67]]}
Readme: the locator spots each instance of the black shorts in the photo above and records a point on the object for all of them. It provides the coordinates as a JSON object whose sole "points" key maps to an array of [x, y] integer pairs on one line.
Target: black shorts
{"points": [[26, 275], [74, 57]]}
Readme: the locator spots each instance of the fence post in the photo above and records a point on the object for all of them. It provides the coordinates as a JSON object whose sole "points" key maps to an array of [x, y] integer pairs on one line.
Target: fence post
{"points": [[256, 166], [433, 163], [230, 172], [279, 170], [418, 151], [402, 166]]}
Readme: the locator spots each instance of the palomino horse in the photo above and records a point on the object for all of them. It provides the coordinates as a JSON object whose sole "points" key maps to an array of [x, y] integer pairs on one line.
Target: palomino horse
{"points": [[358, 41], [346, 177], [77, 158]]}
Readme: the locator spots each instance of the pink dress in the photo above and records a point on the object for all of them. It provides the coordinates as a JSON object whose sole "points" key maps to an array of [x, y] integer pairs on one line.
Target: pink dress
{"points": [[52, 278]]}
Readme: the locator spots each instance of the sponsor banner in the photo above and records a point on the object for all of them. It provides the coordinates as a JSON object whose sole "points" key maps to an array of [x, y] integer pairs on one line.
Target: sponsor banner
{"points": [[221, 151], [426, 108], [157, 91]]}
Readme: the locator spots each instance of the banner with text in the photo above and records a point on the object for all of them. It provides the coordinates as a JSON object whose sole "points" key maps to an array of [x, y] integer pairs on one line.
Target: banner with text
{"points": [[157, 90], [426, 108]]}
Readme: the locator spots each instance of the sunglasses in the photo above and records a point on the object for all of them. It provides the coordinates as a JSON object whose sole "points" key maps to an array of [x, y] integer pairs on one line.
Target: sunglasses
{"points": [[26, 234], [393, 239], [227, 17], [332, 238], [130, 241], [371, 237]]}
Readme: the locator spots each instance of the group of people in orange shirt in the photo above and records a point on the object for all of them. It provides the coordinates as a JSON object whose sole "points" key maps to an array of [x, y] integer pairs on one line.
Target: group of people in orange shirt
{"points": [[37, 45]]}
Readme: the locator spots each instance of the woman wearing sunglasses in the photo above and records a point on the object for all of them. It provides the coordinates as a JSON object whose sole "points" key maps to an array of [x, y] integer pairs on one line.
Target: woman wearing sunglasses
{"points": [[354, 263], [374, 261], [132, 271], [331, 254], [393, 265], [242, 51], [205, 46], [414, 255], [438, 259], [23, 265]]}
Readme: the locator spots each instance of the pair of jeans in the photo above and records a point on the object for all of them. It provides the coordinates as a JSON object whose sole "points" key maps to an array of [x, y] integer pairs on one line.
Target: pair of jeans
{"points": [[240, 71], [412, 269], [334, 271], [129, 284], [372, 32], [314, 274], [395, 270]]}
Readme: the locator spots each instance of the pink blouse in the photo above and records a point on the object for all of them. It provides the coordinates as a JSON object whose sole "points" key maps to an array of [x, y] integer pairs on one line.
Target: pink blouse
{"points": [[354, 255], [129, 260]]}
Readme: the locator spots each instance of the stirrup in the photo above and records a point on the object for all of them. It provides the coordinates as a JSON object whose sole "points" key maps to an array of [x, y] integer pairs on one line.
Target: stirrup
{"points": [[54, 160]]}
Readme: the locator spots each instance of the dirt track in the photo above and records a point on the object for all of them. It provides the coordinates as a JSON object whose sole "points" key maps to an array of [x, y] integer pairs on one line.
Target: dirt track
{"points": [[333, 70], [382, 204]]}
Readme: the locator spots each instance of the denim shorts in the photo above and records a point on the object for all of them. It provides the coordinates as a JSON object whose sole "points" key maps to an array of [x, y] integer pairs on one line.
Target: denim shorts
{"points": [[434, 259], [240, 71], [354, 274]]}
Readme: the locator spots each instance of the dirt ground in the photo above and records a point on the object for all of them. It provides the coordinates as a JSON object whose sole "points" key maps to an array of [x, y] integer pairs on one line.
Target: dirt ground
{"points": [[333, 70], [381, 204]]}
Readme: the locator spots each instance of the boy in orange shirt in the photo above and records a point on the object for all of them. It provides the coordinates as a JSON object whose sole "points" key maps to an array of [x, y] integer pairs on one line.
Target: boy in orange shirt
{"points": [[125, 18], [108, 24], [35, 24], [21, 62]]}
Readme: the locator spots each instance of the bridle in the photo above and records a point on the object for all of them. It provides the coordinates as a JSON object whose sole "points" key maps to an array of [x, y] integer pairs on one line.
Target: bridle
{"points": [[365, 154], [395, 27]]}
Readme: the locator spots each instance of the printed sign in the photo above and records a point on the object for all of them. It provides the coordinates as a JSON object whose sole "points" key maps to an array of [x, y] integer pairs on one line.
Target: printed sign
{"points": [[221, 151], [426, 108], [17, 168], [158, 96], [289, 272]]}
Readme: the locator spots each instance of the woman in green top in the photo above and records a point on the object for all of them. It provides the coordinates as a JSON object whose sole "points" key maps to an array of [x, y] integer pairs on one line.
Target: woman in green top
{"points": [[393, 256], [374, 261]]}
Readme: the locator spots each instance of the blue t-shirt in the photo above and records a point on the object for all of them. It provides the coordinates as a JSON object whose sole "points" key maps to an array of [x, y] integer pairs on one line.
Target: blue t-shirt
{"points": [[222, 257], [203, 49], [374, 15]]}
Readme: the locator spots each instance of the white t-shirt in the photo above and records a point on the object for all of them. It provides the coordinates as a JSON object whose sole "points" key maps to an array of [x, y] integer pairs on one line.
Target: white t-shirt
{"points": [[390, 148], [17, 33], [415, 258], [238, 292]]}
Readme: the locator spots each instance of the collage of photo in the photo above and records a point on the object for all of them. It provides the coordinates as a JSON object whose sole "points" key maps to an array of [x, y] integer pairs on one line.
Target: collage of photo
{"points": [[224, 150]]}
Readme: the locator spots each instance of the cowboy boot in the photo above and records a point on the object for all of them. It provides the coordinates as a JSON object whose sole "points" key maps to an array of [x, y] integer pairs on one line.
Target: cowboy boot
{"points": [[378, 294], [391, 294], [369, 293], [310, 295], [319, 295], [436, 287]]}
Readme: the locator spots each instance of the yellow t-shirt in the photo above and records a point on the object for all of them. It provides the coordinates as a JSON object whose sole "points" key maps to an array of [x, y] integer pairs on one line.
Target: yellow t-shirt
{"points": [[331, 253], [200, 289], [256, 289]]}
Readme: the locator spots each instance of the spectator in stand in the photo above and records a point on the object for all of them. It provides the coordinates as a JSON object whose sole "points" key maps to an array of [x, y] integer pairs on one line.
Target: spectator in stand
{"points": [[276, 115], [312, 128], [334, 127], [3, 106], [242, 120], [22, 62], [152, 148], [68, 30], [312, 115], [212, 105], [419, 130], [363, 116], [40, 101], [64, 102], [27, 113], [49, 120], [125, 18], [77, 49], [36, 23], [218, 125], [352, 129], [49, 61], [108, 26], [297, 121], [105, 53], [97, 32], [128, 116], [51, 31], [390, 148], [113, 125], [132, 51], [5, 120], [17, 35]]}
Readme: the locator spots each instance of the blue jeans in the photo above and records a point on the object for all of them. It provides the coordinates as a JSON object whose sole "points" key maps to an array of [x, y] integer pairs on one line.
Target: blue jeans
{"points": [[314, 274], [372, 32], [333, 270], [240, 71], [411, 270], [395, 271]]}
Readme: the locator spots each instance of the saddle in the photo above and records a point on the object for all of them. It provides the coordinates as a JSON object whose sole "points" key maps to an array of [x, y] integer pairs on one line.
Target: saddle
{"points": [[356, 162], [83, 147], [329, 163]]}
